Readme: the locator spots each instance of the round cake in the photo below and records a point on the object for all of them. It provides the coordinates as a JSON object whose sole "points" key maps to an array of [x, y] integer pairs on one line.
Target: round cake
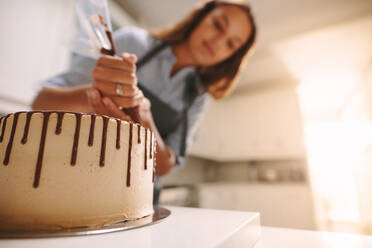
{"points": [[61, 169]]}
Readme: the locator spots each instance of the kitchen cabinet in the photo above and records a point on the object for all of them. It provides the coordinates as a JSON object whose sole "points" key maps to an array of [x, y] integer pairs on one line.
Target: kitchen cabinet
{"points": [[261, 125], [287, 205]]}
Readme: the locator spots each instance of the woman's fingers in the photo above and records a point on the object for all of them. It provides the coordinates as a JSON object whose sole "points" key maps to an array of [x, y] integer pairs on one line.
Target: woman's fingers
{"points": [[116, 69], [105, 106], [129, 58], [116, 63], [114, 110], [113, 75], [95, 100], [128, 102], [111, 89], [145, 104]]}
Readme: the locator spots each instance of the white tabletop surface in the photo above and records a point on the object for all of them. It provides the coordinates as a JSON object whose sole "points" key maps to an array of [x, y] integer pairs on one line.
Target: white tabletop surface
{"points": [[291, 238], [185, 227], [192, 227]]}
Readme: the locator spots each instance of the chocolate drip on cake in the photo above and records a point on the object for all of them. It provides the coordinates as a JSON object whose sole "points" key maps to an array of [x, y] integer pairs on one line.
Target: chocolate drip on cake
{"points": [[145, 149], [103, 144], [150, 145], [58, 130], [27, 127], [3, 128], [129, 153], [41, 149], [10, 143], [91, 130], [59, 123], [139, 134], [154, 166], [76, 139], [118, 127]]}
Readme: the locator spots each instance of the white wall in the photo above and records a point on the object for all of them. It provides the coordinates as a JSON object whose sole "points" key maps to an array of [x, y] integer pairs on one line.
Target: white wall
{"points": [[36, 36], [31, 47]]}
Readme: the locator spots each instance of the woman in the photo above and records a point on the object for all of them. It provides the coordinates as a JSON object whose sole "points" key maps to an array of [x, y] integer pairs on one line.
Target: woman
{"points": [[177, 67]]}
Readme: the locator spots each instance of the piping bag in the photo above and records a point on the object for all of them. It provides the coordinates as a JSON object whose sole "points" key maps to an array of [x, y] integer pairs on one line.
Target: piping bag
{"points": [[94, 36]]}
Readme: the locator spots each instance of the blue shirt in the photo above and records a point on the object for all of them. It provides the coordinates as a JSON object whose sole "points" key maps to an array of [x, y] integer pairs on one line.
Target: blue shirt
{"points": [[154, 75]]}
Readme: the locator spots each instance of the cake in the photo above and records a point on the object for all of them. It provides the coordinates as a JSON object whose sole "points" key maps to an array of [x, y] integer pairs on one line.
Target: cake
{"points": [[61, 170]]}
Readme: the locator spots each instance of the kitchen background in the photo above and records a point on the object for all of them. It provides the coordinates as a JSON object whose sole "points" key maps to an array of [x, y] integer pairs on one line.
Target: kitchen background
{"points": [[294, 142]]}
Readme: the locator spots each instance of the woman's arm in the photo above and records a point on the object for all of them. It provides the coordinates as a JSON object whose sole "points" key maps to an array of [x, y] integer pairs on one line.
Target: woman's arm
{"points": [[99, 97], [109, 72], [65, 99], [89, 100], [165, 157]]}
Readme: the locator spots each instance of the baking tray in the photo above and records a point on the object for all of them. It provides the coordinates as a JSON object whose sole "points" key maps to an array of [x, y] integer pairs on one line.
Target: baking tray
{"points": [[160, 213]]}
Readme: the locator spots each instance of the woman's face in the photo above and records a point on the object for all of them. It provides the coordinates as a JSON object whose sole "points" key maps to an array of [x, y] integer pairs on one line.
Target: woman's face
{"points": [[219, 35]]}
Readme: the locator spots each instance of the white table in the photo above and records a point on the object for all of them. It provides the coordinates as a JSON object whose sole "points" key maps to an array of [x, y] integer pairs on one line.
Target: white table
{"points": [[185, 227], [291, 238], [194, 228]]}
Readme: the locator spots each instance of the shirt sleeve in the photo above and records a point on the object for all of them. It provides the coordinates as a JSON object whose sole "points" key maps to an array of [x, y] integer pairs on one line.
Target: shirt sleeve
{"points": [[129, 39], [79, 73], [175, 139]]}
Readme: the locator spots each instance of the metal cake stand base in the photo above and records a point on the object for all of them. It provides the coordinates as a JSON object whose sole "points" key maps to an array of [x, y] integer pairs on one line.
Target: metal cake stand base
{"points": [[159, 215]]}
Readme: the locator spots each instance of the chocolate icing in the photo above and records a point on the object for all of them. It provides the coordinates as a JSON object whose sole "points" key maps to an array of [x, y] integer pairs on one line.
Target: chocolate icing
{"points": [[150, 145], [10, 143], [109, 36], [103, 143], [129, 153], [91, 130], [3, 128], [59, 122], [76, 139], [58, 130], [154, 166], [27, 127], [112, 51], [1, 120], [139, 134], [118, 127], [41, 149], [145, 149]]}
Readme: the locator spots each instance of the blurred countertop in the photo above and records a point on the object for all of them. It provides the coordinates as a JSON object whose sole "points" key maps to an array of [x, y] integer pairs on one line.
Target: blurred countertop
{"points": [[194, 227], [294, 238]]}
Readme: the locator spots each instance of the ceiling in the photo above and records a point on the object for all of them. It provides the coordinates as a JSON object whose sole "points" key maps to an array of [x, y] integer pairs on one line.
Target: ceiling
{"points": [[277, 22], [275, 19]]}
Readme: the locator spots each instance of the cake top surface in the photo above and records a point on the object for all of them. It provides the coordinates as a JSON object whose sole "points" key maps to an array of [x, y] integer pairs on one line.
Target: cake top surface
{"points": [[76, 125]]}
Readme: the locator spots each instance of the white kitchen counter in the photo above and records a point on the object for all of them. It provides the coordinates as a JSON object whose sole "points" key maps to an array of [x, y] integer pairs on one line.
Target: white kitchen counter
{"points": [[292, 238], [194, 228], [185, 227]]}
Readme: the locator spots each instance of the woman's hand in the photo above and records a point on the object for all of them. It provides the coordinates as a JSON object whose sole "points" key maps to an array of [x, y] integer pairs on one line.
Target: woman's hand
{"points": [[115, 77], [115, 85], [104, 105]]}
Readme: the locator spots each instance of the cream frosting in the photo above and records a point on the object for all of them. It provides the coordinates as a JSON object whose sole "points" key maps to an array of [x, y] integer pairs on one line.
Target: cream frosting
{"points": [[66, 169]]}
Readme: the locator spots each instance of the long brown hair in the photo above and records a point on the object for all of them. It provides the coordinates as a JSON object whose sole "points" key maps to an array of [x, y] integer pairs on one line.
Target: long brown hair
{"points": [[220, 79]]}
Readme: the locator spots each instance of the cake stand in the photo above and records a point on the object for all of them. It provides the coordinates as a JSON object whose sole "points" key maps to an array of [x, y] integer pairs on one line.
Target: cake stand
{"points": [[160, 213]]}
